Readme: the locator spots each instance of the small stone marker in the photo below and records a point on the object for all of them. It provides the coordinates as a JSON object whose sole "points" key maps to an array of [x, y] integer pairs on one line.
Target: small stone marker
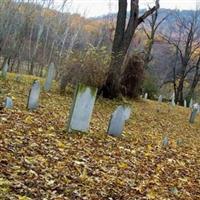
{"points": [[160, 98], [34, 95], [18, 78], [173, 100], [195, 109], [8, 104], [82, 108], [50, 77], [118, 119], [185, 103], [191, 103], [146, 96], [4, 70], [165, 142]]}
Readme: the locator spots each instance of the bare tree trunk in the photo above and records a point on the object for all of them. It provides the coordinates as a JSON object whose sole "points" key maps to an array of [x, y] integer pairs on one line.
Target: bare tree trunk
{"points": [[122, 39]]}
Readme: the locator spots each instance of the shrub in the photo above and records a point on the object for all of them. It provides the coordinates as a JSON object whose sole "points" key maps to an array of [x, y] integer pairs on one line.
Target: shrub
{"points": [[150, 86], [132, 77], [89, 67]]}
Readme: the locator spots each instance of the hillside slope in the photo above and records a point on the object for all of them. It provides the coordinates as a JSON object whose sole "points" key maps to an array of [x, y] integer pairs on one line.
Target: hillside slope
{"points": [[39, 160]]}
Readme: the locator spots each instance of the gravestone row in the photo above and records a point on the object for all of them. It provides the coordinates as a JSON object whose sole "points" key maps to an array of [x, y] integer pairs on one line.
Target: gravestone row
{"points": [[83, 104]]}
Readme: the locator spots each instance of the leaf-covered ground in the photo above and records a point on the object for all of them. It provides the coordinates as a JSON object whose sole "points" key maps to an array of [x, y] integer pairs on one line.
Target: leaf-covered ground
{"points": [[39, 160]]}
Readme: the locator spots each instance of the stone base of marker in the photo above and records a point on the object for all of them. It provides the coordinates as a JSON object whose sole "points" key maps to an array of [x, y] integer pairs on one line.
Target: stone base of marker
{"points": [[82, 107], [118, 119]]}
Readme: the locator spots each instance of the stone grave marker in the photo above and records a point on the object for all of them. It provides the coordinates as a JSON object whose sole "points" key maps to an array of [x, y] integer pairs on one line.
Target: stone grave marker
{"points": [[118, 119], [191, 103], [50, 77], [165, 142], [146, 96], [185, 103], [82, 107], [173, 100], [4, 70], [34, 94], [160, 98], [8, 104], [193, 115], [18, 78]]}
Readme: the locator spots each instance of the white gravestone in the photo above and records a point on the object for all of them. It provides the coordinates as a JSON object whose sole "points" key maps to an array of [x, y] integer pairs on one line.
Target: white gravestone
{"points": [[146, 96], [50, 77], [195, 109], [160, 98], [185, 103], [173, 100], [4, 70], [82, 108], [34, 94], [191, 103], [8, 103], [118, 119]]}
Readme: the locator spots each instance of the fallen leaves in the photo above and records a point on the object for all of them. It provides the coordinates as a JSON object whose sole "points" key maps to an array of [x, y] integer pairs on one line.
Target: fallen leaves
{"points": [[38, 160]]}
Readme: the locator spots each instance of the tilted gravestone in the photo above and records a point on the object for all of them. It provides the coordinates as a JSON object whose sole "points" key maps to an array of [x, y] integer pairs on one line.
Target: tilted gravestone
{"points": [[118, 119], [185, 103], [82, 107], [34, 94], [4, 70], [8, 103], [50, 77], [193, 115], [160, 98]]}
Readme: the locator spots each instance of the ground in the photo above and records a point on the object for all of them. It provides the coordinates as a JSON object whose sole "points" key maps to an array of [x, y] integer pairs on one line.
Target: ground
{"points": [[40, 160]]}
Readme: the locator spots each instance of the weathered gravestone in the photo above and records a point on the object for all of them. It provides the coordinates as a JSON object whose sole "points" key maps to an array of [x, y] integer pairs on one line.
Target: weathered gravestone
{"points": [[50, 77], [118, 119], [8, 103], [34, 94], [146, 96], [165, 142], [160, 98], [193, 115], [4, 70], [191, 103], [82, 108], [173, 100], [18, 78], [185, 103]]}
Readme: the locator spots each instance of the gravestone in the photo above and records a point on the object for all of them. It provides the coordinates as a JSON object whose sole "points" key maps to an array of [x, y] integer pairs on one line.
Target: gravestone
{"points": [[18, 78], [82, 108], [173, 100], [160, 98], [4, 70], [34, 94], [146, 96], [185, 103], [195, 109], [50, 77], [8, 104], [118, 119], [191, 103], [165, 142]]}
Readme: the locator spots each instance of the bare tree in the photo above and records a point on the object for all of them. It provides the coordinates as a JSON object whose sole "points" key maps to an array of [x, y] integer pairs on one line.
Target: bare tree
{"points": [[186, 44], [123, 36], [150, 28]]}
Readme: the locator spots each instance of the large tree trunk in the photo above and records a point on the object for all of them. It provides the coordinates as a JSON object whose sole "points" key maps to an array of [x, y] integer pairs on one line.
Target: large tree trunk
{"points": [[123, 36]]}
